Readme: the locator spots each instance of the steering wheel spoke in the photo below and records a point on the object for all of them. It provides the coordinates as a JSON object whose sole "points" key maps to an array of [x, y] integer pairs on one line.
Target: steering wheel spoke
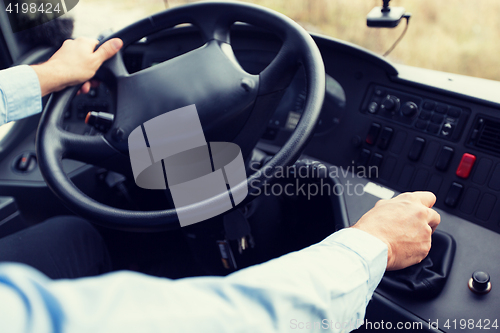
{"points": [[113, 68], [92, 149], [279, 73]]}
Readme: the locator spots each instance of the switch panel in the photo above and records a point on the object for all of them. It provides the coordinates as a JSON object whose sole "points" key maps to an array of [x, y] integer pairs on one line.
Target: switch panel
{"points": [[425, 115]]}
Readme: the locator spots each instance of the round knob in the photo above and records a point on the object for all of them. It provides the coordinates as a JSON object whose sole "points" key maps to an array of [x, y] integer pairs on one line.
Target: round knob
{"points": [[409, 109], [480, 282], [390, 103], [373, 107]]}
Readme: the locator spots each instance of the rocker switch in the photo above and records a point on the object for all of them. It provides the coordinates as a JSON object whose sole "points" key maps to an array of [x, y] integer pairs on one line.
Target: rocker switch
{"points": [[453, 194], [465, 166], [24, 162], [444, 158], [385, 138], [416, 149], [373, 134]]}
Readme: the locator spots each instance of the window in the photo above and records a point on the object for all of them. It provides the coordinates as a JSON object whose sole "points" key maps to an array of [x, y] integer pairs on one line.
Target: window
{"points": [[459, 37]]}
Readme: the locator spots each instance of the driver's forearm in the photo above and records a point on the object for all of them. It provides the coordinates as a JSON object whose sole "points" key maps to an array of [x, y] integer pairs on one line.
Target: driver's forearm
{"points": [[50, 77], [20, 93], [329, 283]]}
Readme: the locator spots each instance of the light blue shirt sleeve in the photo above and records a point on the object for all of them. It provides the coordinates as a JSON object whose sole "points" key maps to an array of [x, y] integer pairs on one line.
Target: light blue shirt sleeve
{"points": [[326, 286], [20, 93]]}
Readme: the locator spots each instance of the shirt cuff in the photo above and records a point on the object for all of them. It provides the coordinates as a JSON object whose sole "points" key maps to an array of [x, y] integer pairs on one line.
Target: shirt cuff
{"points": [[372, 250], [22, 94]]}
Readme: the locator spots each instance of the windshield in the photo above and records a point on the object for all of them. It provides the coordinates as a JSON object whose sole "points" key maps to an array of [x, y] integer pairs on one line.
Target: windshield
{"points": [[457, 38]]}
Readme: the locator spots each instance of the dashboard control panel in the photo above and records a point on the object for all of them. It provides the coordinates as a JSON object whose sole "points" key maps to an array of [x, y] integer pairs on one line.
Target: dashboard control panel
{"points": [[425, 115], [408, 160], [419, 142]]}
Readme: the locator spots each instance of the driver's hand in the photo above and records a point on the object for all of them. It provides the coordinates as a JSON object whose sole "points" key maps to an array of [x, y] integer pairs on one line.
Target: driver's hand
{"points": [[74, 63], [405, 223], [85, 89]]}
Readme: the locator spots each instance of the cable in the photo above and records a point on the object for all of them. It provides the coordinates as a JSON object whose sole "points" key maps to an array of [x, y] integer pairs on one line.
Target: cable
{"points": [[407, 17]]}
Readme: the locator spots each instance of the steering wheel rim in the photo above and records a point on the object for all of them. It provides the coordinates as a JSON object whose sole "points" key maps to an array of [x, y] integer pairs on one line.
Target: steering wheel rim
{"points": [[214, 21]]}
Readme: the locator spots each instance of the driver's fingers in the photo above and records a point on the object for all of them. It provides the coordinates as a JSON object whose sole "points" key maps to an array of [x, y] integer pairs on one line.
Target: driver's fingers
{"points": [[428, 199], [433, 219], [95, 83], [109, 49], [89, 43], [85, 88]]}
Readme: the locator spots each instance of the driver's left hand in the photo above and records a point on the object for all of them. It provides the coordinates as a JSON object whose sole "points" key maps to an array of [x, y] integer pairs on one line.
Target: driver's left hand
{"points": [[74, 63]]}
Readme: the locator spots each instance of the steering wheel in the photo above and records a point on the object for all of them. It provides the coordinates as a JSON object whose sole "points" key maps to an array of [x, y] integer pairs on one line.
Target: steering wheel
{"points": [[232, 104]]}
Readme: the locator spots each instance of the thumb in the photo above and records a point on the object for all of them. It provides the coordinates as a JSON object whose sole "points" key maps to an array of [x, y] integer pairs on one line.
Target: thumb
{"points": [[109, 49]]}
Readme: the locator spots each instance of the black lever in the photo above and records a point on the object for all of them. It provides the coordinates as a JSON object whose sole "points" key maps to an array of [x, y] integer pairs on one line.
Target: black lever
{"points": [[101, 121]]}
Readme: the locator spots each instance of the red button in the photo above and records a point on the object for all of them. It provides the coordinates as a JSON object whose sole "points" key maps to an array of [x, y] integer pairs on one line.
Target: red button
{"points": [[466, 165]]}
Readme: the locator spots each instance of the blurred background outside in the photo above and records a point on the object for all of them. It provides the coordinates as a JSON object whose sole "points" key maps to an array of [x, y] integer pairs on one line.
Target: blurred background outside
{"points": [[459, 36]]}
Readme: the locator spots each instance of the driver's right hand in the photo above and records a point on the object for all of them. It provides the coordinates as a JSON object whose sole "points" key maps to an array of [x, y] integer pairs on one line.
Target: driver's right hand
{"points": [[405, 223]]}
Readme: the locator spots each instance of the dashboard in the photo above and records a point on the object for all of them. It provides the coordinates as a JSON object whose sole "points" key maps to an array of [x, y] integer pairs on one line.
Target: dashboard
{"points": [[420, 137]]}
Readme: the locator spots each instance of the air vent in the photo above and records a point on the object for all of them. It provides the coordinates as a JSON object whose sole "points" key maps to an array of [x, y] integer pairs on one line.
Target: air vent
{"points": [[486, 135]]}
